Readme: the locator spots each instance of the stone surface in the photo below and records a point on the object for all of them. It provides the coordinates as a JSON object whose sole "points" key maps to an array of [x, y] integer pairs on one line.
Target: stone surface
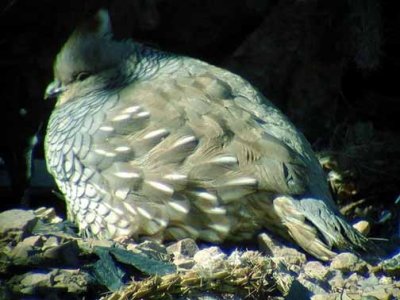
{"points": [[17, 221], [30, 281], [315, 269], [325, 297], [348, 262], [90, 243], [346, 277], [290, 256], [182, 252], [385, 280], [48, 214], [313, 287], [26, 248], [284, 281], [152, 249], [363, 226], [337, 281], [391, 265], [66, 253], [379, 293], [184, 263], [209, 259], [36, 283], [185, 247]]}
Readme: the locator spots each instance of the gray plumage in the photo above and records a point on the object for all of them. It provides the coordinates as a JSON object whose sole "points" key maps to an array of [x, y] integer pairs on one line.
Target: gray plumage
{"points": [[145, 143]]}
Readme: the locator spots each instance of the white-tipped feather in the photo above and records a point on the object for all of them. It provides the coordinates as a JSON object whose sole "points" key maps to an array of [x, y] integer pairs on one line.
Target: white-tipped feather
{"points": [[179, 207], [175, 176], [184, 140], [121, 117], [241, 181], [122, 149], [155, 133], [205, 195], [105, 153], [143, 114], [161, 186], [220, 228], [107, 128], [224, 160], [216, 211], [131, 109], [130, 208], [144, 213], [127, 175]]}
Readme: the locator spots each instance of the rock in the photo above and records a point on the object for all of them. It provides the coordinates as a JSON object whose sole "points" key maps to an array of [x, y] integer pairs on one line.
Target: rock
{"points": [[326, 297], [379, 293], [396, 292], [184, 263], [298, 291], [284, 281], [385, 280], [54, 282], [249, 258], [186, 247], [348, 262], [29, 282], [17, 222], [25, 249], [391, 266], [40, 250], [235, 259], [183, 252], [352, 283], [337, 282], [153, 249], [90, 243], [313, 287], [363, 227], [290, 256], [66, 253], [51, 242], [369, 298], [151, 246], [47, 214], [287, 269], [369, 283], [74, 281], [294, 268], [210, 259], [315, 269]]}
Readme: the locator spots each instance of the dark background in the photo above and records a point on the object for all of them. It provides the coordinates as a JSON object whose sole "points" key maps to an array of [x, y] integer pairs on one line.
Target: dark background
{"points": [[331, 66]]}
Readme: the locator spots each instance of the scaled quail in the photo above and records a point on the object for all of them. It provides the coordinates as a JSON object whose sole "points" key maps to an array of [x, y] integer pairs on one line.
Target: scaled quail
{"points": [[145, 143]]}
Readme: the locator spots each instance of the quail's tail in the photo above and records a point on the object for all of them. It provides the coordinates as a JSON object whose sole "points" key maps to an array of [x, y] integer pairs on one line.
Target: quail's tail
{"points": [[316, 228]]}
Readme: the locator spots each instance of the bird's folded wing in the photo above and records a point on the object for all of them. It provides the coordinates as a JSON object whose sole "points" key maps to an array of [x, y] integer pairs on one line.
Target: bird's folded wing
{"points": [[194, 126]]}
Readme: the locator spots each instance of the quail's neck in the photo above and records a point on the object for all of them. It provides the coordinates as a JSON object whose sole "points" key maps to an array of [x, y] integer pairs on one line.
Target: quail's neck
{"points": [[146, 63]]}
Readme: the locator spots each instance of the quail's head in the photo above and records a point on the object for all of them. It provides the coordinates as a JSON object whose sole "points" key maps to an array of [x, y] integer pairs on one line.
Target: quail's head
{"points": [[89, 52]]}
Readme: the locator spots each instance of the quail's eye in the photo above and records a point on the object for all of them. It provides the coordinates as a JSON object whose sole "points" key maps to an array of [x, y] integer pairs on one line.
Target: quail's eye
{"points": [[81, 76]]}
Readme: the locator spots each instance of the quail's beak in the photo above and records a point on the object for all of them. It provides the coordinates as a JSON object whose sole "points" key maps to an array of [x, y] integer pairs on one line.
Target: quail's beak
{"points": [[54, 89]]}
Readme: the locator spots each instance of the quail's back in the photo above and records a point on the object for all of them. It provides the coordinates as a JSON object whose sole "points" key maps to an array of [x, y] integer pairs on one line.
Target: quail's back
{"points": [[145, 143]]}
